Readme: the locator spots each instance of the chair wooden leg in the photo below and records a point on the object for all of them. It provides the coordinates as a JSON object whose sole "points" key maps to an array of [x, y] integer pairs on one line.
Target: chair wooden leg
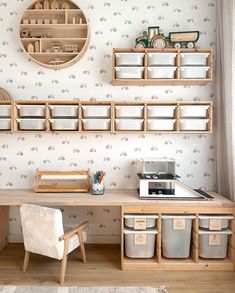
{"points": [[63, 269], [26, 261], [82, 246], [64, 261]]}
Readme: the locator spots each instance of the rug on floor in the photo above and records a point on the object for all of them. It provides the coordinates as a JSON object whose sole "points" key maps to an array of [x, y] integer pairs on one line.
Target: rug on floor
{"points": [[76, 289]]}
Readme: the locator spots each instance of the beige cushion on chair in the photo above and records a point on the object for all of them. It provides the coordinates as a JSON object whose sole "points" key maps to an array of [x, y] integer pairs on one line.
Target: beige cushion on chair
{"points": [[74, 241], [42, 228]]}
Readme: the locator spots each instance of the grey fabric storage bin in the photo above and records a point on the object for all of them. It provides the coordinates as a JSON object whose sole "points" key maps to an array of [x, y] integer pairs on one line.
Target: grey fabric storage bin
{"points": [[205, 221], [31, 124], [140, 244], [5, 124], [215, 247], [134, 221], [5, 110], [176, 243]]}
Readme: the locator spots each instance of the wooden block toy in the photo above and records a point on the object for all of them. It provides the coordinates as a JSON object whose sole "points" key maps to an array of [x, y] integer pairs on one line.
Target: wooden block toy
{"points": [[55, 4], [46, 4], [30, 48], [65, 5], [38, 6]]}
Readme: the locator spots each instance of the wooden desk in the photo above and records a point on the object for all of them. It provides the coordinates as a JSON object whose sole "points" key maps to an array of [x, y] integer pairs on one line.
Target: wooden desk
{"points": [[129, 202]]}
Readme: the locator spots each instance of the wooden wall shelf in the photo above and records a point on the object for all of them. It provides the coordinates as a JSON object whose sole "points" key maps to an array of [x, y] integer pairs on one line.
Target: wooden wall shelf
{"points": [[108, 117], [176, 66], [54, 38]]}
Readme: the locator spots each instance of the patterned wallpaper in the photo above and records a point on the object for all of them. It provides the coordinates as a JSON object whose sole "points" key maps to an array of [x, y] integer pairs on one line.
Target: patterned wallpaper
{"points": [[113, 23]]}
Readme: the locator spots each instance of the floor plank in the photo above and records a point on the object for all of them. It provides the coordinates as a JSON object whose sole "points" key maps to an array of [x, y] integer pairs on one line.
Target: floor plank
{"points": [[103, 269]]}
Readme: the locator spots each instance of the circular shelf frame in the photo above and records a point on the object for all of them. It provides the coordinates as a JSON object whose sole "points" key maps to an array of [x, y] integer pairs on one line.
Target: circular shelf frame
{"points": [[54, 38]]}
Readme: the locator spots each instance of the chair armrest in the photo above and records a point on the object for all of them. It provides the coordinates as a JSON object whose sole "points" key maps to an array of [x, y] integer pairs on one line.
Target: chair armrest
{"points": [[74, 230]]}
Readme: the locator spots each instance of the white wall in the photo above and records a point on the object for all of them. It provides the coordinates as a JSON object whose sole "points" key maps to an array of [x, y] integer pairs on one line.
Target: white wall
{"points": [[113, 23]]}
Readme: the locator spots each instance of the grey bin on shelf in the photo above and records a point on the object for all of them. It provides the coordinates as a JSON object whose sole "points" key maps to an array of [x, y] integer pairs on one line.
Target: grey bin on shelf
{"points": [[196, 72], [162, 72], [176, 235], [140, 222], [5, 124], [129, 72], [214, 222], [129, 59], [200, 59], [158, 58], [31, 110], [129, 111], [5, 110], [140, 244], [64, 110], [64, 124], [96, 111], [32, 124], [213, 244]]}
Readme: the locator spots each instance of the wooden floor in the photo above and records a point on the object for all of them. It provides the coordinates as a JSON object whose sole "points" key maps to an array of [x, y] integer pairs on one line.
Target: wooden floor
{"points": [[103, 269]]}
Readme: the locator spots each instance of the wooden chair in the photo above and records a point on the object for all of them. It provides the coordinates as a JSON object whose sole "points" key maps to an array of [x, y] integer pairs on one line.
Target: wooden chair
{"points": [[44, 234]]}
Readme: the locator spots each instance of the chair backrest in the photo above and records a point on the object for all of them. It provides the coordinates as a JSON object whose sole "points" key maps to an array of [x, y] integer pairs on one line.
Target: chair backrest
{"points": [[42, 228]]}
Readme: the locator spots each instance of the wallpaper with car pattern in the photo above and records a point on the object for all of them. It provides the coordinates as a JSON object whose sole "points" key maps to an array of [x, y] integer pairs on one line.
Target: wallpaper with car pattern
{"points": [[113, 23]]}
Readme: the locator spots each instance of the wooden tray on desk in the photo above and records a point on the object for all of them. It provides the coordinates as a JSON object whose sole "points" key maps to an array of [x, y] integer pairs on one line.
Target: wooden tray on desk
{"points": [[80, 179]]}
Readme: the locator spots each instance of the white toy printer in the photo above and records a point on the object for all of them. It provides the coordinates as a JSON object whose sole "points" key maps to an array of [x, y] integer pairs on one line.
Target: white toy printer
{"points": [[158, 180]]}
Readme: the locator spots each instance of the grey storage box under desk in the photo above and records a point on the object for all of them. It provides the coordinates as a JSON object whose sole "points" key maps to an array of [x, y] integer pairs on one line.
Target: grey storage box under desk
{"points": [[176, 235], [214, 222], [213, 244], [140, 244], [140, 222]]}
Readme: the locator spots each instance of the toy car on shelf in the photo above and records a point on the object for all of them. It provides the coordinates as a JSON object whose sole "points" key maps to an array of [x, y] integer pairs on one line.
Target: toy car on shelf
{"points": [[70, 48], [154, 39]]}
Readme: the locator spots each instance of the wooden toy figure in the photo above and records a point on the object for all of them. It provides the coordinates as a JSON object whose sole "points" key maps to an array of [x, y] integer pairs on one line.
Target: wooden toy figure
{"points": [[65, 5], [37, 47], [30, 48], [46, 4], [38, 6], [54, 4]]}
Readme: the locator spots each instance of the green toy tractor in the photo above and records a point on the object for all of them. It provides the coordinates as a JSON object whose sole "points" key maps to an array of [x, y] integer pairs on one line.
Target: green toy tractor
{"points": [[151, 39], [155, 39]]}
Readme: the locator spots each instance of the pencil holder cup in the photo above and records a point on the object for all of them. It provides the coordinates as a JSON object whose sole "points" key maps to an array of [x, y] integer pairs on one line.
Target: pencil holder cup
{"points": [[97, 188]]}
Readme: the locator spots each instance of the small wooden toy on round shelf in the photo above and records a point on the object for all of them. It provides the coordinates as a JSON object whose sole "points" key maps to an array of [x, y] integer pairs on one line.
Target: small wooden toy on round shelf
{"points": [[38, 5], [56, 61], [30, 48], [65, 5], [25, 33], [55, 4], [56, 47], [37, 47], [46, 4]]}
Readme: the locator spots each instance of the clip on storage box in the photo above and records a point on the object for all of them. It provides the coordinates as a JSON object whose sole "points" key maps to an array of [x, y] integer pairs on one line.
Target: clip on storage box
{"points": [[77, 181]]}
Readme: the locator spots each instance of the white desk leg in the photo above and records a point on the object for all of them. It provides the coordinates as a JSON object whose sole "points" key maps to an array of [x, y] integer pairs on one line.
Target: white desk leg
{"points": [[4, 213]]}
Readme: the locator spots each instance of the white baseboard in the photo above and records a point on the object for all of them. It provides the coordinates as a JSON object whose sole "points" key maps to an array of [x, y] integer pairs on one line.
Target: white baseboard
{"points": [[105, 239]]}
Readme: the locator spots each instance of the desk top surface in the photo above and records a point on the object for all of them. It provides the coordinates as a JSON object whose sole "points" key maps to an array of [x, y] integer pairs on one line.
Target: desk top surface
{"points": [[117, 197]]}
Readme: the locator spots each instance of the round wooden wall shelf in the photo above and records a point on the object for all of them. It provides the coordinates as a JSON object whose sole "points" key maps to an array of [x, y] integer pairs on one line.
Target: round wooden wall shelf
{"points": [[54, 33]]}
